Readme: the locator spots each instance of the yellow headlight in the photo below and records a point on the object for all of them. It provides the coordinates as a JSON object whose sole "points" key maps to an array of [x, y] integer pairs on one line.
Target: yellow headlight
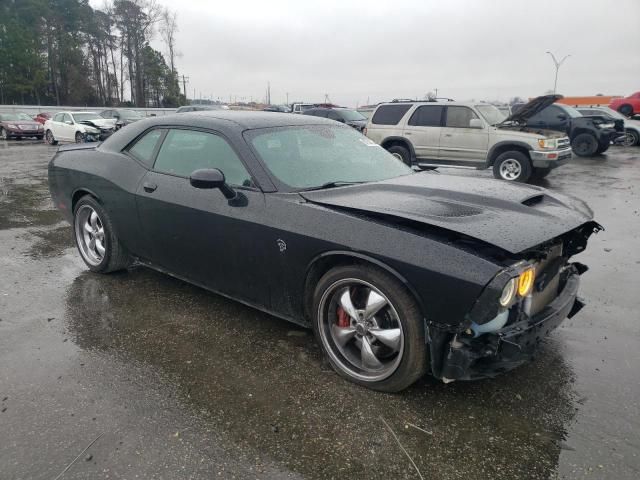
{"points": [[525, 282], [541, 143]]}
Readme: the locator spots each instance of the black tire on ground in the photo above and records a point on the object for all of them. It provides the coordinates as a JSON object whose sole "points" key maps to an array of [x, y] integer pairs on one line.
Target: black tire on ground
{"points": [[626, 110], [413, 362], [584, 145], [39, 137], [513, 166], [49, 138], [401, 153], [115, 257], [633, 138], [603, 147], [3, 134], [540, 173], [79, 137]]}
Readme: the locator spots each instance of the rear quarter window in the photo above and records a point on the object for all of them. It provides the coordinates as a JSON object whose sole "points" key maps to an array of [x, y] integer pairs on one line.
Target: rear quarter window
{"points": [[144, 148], [390, 114]]}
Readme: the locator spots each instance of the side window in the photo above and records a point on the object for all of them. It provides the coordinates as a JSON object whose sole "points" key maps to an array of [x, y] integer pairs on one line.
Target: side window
{"points": [[58, 117], [426, 116], [390, 114], [333, 115], [67, 118], [143, 149], [184, 151], [107, 114], [459, 117]]}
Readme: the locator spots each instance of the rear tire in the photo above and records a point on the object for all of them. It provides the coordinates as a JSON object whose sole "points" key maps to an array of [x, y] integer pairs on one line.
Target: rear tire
{"points": [[350, 347], [401, 153], [512, 166], [49, 138], [96, 239], [584, 145], [626, 110]]}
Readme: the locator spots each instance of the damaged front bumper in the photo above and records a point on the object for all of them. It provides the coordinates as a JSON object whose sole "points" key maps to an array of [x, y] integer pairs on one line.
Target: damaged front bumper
{"points": [[460, 356]]}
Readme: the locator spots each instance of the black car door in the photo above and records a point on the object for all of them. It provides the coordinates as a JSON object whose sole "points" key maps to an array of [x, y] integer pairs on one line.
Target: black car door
{"points": [[199, 234]]}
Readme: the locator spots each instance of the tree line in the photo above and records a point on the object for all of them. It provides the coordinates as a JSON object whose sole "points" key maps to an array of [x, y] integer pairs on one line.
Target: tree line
{"points": [[65, 52]]}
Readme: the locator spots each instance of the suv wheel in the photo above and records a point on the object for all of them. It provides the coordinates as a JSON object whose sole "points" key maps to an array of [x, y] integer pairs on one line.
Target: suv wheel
{"points": [[512, 166], [626, 110], [401, 153], [584, 145], [631, 138]]}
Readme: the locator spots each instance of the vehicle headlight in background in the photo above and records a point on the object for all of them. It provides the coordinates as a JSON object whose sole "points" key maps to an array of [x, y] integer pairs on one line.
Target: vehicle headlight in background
{"points": [[547, 143], [525, 282], [11, 125], [508, 293]]}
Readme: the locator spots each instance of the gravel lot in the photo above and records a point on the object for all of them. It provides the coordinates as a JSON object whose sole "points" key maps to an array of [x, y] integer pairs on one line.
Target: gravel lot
{"points": [[175, 382]]}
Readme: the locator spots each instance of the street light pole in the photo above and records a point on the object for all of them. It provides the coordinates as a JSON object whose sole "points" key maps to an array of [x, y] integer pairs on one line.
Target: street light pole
{"points": [[557, 64]]}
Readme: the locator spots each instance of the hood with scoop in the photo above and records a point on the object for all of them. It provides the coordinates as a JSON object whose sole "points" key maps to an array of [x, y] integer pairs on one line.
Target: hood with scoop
{"points": [[530, 109], [511, 217]]}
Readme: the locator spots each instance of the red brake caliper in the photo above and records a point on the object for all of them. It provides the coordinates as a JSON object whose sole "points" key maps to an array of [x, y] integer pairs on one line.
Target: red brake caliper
{"points": [[343, 318]]}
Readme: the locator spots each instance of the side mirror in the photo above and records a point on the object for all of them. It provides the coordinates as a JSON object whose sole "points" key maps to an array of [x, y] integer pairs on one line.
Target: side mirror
{"points": [[209, 178], [475, 123], [68, 122]]}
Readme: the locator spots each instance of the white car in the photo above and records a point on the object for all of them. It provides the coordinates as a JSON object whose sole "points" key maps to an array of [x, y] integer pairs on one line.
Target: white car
{"points": [[631, 127], [77, 127]]}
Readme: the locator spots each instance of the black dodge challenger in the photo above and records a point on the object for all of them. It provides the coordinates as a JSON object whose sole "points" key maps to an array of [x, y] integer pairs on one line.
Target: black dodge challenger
{"points": [[399, 273]]}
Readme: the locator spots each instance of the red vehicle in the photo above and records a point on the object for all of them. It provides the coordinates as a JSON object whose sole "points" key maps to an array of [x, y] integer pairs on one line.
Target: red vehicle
{"points": [[628, 106], [42, 117]]}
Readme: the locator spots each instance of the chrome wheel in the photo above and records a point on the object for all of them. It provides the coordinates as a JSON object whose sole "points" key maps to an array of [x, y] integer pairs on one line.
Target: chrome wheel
{"points": [[629, 139], [90, 235], [360, 329], [510, 169], [49, 137]]}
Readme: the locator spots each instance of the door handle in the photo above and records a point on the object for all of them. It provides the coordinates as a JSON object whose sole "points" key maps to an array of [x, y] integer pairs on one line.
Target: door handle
{"points": [[149, 187]]}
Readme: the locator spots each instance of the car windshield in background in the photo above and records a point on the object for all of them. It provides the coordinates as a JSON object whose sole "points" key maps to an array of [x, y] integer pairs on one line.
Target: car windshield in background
{"points": [[491, 114], [572, 112], [315, 155], [83, 117], [130, 114], [352, 115], [13, 117]]}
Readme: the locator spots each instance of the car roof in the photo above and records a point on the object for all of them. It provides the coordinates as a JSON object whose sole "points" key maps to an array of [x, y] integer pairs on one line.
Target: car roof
{"points": [[445, 103], [74, 112]]}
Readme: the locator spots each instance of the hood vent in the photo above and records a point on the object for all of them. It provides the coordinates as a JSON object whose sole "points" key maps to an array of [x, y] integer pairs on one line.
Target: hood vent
{"points": [[534, 200]]}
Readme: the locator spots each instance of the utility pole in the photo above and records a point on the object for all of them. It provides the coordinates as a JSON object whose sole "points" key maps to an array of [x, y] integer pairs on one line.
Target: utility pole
{"points": [[268, 93], [185, 80], [558, 64], [287, 98]]}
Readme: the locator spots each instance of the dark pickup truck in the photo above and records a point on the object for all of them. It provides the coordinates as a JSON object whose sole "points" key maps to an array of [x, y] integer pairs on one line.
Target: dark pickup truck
{"points": [[589, 135]]}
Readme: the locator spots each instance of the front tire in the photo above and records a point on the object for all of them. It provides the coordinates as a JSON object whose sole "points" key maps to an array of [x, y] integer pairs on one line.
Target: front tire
{"points": [[49, 138], [631, 138], [3, 134], [603, 147], [401, 153], [513, 166], [584, 145], [79, 137], [95, 237], [370, 328]]}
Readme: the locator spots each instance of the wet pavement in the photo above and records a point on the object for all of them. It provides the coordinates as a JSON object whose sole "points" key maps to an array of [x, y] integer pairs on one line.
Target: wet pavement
{"points": [[170, 381]]}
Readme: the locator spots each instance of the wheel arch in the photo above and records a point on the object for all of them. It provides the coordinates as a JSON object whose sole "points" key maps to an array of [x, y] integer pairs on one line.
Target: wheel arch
{"points": [[81, 192], [400, 141], [506, 146], [324, 262]]}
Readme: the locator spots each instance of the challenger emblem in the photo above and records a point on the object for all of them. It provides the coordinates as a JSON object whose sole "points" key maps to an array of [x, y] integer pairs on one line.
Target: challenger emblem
{"points": [[281, 245]]}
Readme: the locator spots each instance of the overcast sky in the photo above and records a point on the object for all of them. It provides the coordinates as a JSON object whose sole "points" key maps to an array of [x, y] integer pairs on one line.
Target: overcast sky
{"points": [[356, 51]]}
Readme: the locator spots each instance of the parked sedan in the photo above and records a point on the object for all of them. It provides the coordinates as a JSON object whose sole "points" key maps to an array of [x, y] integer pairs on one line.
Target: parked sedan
{"points": [[122, 116], [77, 127], [398, 273], [353, 118], [631, 126], [19, 125]]}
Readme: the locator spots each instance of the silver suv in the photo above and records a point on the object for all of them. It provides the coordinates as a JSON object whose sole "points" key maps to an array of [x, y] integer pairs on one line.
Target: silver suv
{"points": [[472, 135]]}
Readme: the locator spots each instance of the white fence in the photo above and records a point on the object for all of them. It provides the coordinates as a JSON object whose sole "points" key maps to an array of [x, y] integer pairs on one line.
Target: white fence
{"points": [[33, 110]]}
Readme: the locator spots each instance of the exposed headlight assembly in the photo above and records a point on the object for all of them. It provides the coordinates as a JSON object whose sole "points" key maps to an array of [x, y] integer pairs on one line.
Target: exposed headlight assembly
{"points": [[547, 143], [606, 125]]}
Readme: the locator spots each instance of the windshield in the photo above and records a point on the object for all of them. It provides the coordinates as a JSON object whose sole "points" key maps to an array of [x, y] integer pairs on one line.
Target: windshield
{"points": [[130, 114], [491, 114], [12, 117], [81, 117], [311, 156], [572, 112], [351, 115]]}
